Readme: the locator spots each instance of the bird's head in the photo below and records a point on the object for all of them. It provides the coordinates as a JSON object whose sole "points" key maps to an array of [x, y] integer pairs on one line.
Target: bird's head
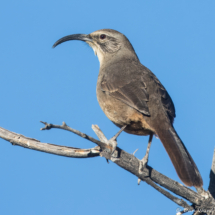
{"points": [[106, 43]]}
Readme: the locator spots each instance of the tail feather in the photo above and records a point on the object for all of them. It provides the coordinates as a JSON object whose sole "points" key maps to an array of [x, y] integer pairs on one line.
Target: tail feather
{"points": [[180, 157]]}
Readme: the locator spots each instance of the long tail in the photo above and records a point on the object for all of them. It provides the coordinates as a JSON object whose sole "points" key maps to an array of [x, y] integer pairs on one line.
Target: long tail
{"points": [[180, 157]]}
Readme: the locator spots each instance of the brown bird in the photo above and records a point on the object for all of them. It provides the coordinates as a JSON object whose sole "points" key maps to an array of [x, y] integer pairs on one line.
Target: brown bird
{"points": [[133, 98]]}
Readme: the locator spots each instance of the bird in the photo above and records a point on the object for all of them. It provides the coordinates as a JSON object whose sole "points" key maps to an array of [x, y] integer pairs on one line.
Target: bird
{"points": [[133, 98]]}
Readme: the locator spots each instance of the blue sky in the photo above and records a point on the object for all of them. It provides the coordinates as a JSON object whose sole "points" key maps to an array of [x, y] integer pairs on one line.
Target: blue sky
{"points": [[175, 39]]}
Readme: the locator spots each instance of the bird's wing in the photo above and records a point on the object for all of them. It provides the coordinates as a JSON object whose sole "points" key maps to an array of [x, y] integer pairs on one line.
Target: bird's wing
{"points": [[133, 91], [165, 98]]}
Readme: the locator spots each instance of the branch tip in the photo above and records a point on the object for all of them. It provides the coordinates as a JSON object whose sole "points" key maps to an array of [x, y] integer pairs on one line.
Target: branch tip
{"points": [[135, 151], [64, 124], [47, 126]]}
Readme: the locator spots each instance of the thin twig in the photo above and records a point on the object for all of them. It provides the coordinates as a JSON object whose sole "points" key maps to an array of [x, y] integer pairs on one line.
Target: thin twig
{"points": [[178, 201], [64, 126]]}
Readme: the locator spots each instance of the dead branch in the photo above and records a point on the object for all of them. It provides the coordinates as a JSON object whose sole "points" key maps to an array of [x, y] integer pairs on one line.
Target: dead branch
{"points": [[199, 200], [30, 143]]}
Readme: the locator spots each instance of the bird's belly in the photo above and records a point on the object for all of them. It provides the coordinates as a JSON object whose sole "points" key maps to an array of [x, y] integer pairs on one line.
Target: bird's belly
{"points": [[121, 114]]}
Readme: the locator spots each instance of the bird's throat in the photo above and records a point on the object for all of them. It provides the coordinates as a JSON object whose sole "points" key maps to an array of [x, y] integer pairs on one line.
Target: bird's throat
{"points": [[97, 51]]}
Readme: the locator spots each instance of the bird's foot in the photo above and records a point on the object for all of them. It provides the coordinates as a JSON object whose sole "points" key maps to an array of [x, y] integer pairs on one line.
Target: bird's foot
{"points": [[110, 149], [145, 159], [142, 165]]}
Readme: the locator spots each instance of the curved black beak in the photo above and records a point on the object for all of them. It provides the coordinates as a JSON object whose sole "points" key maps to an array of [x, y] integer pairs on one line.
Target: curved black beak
{"points": [[82, 37]]}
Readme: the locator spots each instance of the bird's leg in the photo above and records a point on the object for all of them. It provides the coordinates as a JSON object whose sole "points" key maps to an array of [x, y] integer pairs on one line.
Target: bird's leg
{"points": [[144, 161], [118, 133], [113, 142]]}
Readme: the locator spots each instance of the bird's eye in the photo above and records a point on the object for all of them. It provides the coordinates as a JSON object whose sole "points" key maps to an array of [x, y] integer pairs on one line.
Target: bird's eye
{"points": [[102, 36]]}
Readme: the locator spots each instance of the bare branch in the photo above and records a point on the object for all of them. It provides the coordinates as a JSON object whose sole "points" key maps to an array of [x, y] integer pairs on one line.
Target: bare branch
{"points": [[123, 159], [20, 140]]}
